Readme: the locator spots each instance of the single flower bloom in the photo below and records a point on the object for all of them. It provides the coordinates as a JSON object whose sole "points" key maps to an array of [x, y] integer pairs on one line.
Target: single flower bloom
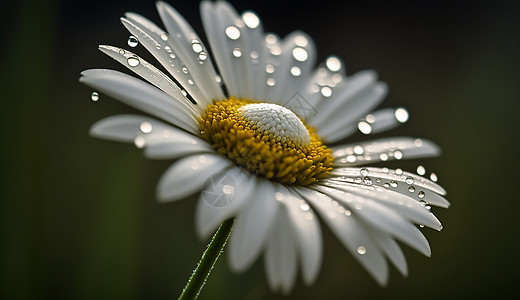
{"points": [[252, 128]]}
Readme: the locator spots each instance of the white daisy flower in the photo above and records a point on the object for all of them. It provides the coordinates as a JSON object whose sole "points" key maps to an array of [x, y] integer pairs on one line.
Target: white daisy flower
{"points": [[256, 137]]}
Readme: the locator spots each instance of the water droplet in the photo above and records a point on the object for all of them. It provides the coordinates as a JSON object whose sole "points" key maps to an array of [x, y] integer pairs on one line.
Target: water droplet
{"points": [[251, 19], [270, 38], [168, 49], [358, 149], [433, 177], [378, 180], [357, 180], [132, 41], [383, 156], [326, 91], [411, 189], [253, 54], [361, 250], [184, 93], [172, 55], [367, 180], [364, 171], [418, 143], [351, 158], [269, 68], [409, 180], [133, 61], [164, 37], [393, 184], [237, 52], [370, 118], [190, 82], [278, 196], [398, 155], [295, 71], [385, 170], [398, 171], [196, 46], [203, 56], [333, 63], [365, 128], [145, 127], [301, 41], [421, 195], [422, 226], [184, 70], [158, 46], [386, 185], [421, 170], [348, 213], [94, 96], [232, 32], [401, 114], [300, 54], [218, 79], [304, 207], [139, 141], [271, 81]]}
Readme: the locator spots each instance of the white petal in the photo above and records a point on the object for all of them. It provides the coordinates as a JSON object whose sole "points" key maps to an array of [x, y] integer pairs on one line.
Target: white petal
{"points": [[182, 39], [280, 254], [411, 185], [223, 199], [149, 35], [345, 95], [151, 74], [351, 232], [381, 218], [141, 95], [402, 204], [297, 51], [392, 251], [347, 116], [161, 140], [384, 119], [252, 226], [308, 233], [188, 175], [383, 149], [217, 18]]}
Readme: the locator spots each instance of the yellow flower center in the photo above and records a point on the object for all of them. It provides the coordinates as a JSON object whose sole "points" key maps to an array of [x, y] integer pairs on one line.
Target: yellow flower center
{"points": [[267, 139]]}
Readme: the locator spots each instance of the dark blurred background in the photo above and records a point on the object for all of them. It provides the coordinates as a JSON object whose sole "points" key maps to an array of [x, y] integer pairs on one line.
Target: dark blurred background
{"points": [[78, 216]]}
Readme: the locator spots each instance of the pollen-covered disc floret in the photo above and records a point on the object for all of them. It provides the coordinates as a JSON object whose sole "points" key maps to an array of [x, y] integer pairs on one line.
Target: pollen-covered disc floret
{"points": [[267, 139]]}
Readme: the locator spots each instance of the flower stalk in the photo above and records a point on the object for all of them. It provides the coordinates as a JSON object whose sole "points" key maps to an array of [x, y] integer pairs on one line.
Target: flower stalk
{"points": [[207, 262]]}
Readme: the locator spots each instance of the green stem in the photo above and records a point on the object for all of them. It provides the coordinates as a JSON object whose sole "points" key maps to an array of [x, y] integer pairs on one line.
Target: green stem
{"points": [[209, 258]]}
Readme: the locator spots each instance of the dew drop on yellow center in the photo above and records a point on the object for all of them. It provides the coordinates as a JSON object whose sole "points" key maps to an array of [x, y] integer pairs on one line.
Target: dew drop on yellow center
{"points": [[267, 139]]}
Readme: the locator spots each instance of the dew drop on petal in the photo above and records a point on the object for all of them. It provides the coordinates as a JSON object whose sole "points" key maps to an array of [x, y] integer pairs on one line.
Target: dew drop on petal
{"points": [[133, 61], [184, 93], [184, 70], [196, 46], [94, 96], [300, 54], [366, 128], [304, 207], [295, 71], [301, 41], [383, 156], [409, 180], [411, 189], [132, 41], [203, 56], [398, 155], [367, 180], [232, 32], [361, 250], [278, 196], [364, 171], [251, 20], [433, 177], [393, 184], [418, 143], [348, 213], [237, 52], [269, 68], [386, 185], [358, 149], [333, 64], [421, 170], [398, 171], [271, 81], [164, 37], [145, 127], [326, 91], [421, 195], [139, 141], [401, 114], [218, 79]]}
